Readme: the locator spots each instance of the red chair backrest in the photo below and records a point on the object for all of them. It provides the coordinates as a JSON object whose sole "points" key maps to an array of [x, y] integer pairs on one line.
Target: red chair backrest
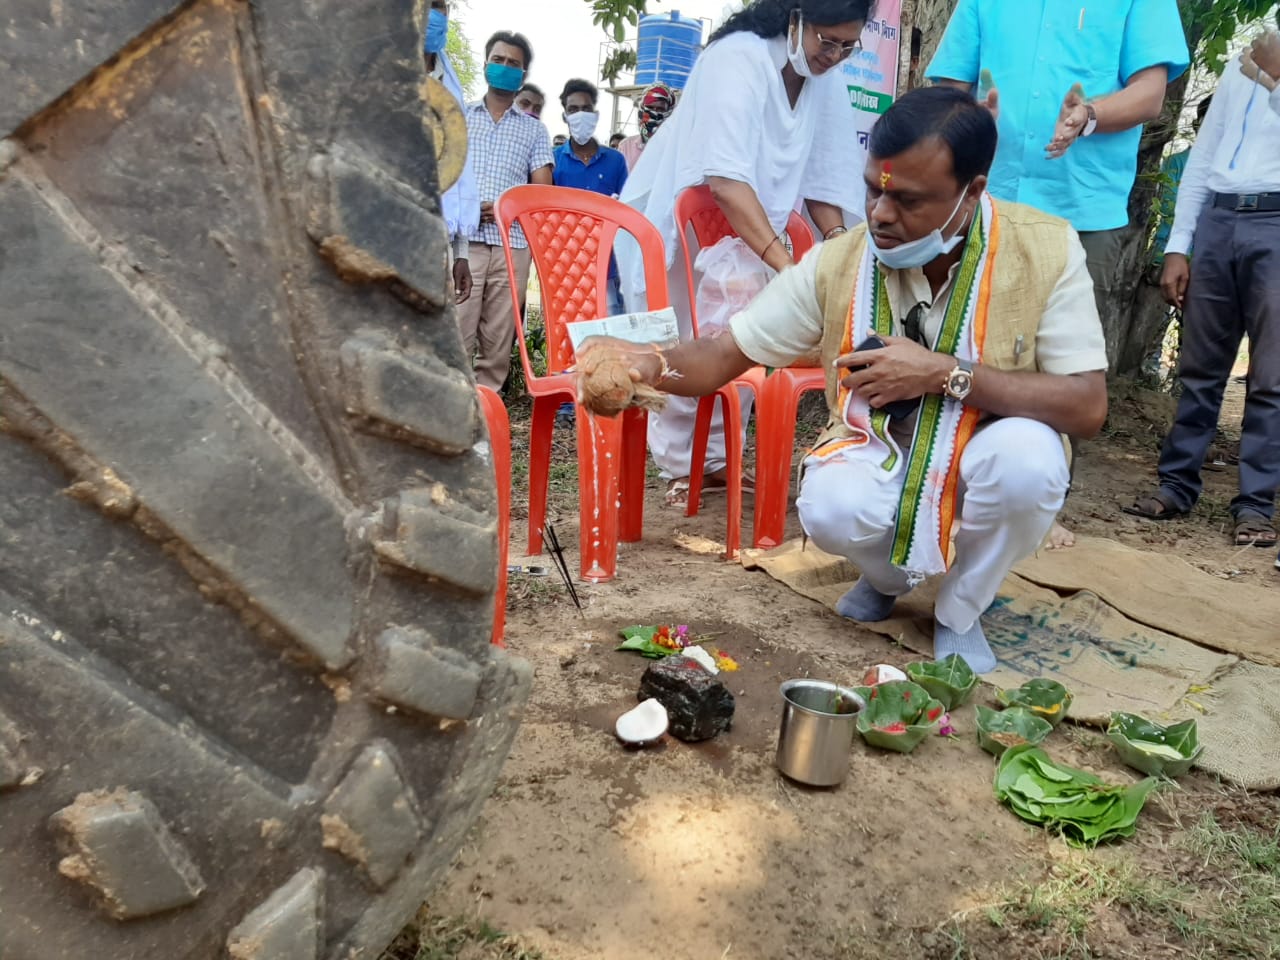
{"points": [[571, 235], [696, 211]]}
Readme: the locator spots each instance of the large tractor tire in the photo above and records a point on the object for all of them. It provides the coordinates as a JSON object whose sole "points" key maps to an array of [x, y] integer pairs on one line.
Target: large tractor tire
{"points": [[248, 554]]}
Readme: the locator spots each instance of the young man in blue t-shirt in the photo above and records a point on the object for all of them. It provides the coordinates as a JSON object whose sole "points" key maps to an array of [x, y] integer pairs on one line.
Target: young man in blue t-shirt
{"points": [[585, 164]]}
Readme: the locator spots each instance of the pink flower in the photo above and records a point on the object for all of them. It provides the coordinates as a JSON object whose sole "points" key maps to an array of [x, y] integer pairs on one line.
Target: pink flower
{"points": [[945, 729]]}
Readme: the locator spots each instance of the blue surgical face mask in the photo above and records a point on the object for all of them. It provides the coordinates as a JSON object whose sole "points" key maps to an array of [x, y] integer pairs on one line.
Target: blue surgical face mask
{"points": [[437, 31], [916, 253], [504, 77]]}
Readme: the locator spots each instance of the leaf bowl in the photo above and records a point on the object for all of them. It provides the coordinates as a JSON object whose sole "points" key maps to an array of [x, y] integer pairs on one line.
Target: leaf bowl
{"points": [[1154, 749], [998, 730], [949, 680], [898, 715], [1047, 699]]}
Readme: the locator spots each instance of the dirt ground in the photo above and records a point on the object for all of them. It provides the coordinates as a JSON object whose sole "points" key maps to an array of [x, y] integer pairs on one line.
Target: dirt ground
{"points": [[589, 850]]}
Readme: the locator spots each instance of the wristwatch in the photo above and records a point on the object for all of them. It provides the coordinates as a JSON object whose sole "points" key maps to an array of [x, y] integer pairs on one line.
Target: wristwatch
{"points": [[959, 382], [1091, 124]]}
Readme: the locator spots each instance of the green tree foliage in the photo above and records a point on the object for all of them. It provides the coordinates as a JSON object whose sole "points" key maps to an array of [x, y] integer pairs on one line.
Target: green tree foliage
{"points": [[618, 62], [614, 16], [458, 48]]}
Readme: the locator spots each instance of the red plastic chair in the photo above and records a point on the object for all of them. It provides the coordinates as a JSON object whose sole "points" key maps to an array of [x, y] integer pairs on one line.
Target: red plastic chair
{"points": [[777, 395], [495, 416], [571, 235]]}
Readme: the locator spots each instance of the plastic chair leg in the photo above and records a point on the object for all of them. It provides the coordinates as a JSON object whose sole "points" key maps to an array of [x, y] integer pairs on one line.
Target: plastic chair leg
{"points": [[599, 466], [731, 409], [775, 441], [635, 423], [495, 415], [733, 470], [540, 429], [697, 462]]}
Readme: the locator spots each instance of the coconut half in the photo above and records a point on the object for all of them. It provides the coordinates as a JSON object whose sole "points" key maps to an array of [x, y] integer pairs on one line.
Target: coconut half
{"points": [[642, 724], [882, 673]]}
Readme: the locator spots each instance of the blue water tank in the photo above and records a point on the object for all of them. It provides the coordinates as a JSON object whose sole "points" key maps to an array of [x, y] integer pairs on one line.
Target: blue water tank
{"points": [[666, 48]]}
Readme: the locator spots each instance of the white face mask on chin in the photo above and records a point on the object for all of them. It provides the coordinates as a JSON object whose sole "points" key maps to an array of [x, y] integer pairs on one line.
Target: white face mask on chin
{"points": [[799, 60], [926, 249], [582, 126]]}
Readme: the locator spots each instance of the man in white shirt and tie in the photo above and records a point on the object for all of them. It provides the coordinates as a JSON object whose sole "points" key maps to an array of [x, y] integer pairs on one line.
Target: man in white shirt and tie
{"points": [[1229, 207]]}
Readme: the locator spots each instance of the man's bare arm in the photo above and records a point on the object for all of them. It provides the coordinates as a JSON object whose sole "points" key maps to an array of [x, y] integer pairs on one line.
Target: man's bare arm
{"points": [[693, 368], [1139, 101]]}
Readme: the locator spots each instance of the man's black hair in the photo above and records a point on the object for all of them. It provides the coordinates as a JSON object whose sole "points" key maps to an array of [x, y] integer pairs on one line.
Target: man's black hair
{"points": [[951, 115], [770, 18], [616, 137], [515, 40], [534, 89], [578, 85]]}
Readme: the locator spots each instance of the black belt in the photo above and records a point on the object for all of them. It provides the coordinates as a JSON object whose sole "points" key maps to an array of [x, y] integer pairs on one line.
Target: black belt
{"points": [[1248, 202]]}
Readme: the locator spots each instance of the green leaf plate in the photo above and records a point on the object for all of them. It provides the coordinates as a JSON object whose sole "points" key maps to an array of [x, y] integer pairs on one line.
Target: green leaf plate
{"points": [[640, 640], [998, 730], [1073, 802], [898, 715], [1047, 699], [949, 680], [1156, 750]]}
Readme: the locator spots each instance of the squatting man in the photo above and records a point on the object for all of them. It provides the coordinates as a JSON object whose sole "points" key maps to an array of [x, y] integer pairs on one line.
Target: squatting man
{"points": [[962, 345]]}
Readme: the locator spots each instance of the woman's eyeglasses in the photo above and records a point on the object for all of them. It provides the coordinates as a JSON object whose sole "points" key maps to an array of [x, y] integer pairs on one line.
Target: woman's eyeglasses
{"points": [[834, 49]]}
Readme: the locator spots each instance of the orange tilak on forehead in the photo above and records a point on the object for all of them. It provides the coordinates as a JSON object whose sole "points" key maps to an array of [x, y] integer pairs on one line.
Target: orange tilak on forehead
{"points": [[886, 174]]}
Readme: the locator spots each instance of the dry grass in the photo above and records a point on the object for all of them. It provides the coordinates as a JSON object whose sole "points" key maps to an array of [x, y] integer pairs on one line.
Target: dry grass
{"points": [[456, 938]]}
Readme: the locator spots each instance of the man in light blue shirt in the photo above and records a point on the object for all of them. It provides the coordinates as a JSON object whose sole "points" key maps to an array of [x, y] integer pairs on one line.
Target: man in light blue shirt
{"points": [[1070, 87], [1075, 85]]}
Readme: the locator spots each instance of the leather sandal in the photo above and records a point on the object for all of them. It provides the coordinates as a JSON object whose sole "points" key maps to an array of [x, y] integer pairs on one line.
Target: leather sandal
{"points": [[1157, 506], [1253, 530]]}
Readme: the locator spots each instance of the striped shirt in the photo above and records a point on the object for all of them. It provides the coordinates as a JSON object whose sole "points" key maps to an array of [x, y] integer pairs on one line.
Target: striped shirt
{"points": [[503, 155]]}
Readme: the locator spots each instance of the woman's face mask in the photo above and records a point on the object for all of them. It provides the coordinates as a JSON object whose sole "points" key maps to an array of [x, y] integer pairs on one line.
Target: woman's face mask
{"points": [[795, 48]]}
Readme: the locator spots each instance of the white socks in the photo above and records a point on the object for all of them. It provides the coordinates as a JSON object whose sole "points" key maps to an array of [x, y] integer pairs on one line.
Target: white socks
{"points": [[971, 645]]}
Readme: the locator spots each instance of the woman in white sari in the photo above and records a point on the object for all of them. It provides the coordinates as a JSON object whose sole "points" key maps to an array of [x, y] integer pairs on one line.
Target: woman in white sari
{"points": [[764, 121]]}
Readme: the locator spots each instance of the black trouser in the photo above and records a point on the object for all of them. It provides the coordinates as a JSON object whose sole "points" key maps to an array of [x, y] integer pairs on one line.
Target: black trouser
{"points": [[1234, 290]]}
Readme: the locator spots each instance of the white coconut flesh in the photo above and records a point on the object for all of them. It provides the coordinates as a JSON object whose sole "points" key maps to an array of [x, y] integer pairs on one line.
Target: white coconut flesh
{"points": [[642, 724]]}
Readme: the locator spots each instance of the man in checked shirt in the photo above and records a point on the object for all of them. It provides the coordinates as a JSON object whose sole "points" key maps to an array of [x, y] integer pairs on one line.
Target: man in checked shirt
{"points": [[507, 148]]}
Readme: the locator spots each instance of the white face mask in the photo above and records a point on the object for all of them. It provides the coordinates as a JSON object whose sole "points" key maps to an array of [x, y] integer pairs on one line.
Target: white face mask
{"points": [[916, 253], [582, 126], [799, 61]]}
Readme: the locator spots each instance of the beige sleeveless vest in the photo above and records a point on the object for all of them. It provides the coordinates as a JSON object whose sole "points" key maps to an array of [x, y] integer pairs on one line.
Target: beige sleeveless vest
{"points": [[1030, 258]]}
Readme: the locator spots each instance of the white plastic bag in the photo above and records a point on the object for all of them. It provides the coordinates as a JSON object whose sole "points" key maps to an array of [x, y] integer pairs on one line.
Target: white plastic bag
{"points": [[730, 278]]}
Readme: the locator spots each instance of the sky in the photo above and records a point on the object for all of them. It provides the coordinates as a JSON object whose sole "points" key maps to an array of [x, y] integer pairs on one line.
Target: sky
{"points": [[565, 42]]}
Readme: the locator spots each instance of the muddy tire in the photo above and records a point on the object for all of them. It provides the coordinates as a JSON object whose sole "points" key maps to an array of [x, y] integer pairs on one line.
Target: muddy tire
{"points": [[248, 554]]}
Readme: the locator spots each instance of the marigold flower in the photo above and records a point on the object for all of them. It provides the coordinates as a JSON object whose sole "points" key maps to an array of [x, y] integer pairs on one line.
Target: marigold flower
{"points": [[725, 662]]}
